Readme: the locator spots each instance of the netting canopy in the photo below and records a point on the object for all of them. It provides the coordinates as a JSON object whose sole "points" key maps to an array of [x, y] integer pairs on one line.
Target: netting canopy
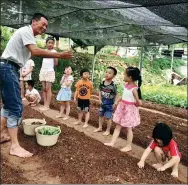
{"points": [[105, 22]]}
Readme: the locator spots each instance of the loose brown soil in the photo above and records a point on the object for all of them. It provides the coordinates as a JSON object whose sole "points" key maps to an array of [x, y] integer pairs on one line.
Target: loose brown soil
{"points": [[174, 111], [11, 175], [148, 121], [79, 159]]}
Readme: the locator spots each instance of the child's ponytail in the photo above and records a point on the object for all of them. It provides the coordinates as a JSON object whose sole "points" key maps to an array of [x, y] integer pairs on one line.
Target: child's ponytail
{"points": [[139, 79], [139, 85], [134, 72]]}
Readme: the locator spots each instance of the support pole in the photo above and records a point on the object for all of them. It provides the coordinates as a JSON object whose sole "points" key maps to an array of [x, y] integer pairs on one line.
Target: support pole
{"points": [[69, 44], [172, 61], [20, 12], [93, 64], [141, 54]]}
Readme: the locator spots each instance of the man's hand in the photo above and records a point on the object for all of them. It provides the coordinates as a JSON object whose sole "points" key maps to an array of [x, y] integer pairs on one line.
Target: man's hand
{"points": [[66, 55]]}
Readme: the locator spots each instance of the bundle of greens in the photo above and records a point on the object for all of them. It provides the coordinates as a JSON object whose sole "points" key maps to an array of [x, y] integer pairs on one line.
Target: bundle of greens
{"points": [[49, 131]]}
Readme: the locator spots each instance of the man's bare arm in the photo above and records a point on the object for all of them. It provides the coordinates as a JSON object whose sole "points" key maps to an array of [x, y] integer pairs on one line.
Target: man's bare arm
{"points": [[35, 51]]}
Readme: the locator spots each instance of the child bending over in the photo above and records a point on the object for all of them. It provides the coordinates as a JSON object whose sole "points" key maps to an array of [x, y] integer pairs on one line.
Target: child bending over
{"points": [[165, 149]]}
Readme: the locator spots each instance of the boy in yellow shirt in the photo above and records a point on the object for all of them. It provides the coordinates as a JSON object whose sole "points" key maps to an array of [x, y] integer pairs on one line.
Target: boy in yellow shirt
{"points": [[84, 88]]}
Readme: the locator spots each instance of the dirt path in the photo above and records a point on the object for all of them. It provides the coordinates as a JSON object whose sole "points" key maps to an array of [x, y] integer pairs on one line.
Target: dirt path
{"points": [[32, 169], [136, 152]]}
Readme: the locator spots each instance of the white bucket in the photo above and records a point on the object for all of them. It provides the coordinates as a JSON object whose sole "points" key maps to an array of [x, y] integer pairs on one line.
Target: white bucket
{"points": [[29, 129], [46, 140]]}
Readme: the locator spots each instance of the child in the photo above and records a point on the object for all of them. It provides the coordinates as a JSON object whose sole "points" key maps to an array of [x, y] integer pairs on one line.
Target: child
{"points": [[65, 94], [25, 75], [107, 96], [32, 95], [47, 74], [83, 92], [165, 148], [127, 113]]}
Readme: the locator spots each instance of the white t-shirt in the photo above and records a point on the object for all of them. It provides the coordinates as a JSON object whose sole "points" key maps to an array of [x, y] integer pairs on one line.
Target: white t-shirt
{"points": [[30, 63], [66, 79], [16, 49], [48, 63], [33, 92], [128, 93]]}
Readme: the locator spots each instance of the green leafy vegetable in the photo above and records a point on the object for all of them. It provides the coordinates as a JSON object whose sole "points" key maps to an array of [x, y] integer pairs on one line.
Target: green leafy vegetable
{"points": [[49, 131]]}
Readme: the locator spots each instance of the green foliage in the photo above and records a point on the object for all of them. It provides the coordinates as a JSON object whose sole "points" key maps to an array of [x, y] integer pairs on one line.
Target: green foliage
{"points": [[164, 63], [166, 94], [131, 61], [149, 78], [40, 44], [6, 34]]}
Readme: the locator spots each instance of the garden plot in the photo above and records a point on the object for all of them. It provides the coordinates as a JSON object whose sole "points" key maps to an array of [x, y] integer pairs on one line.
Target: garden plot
{"points": [[75, 159], [148, 121]]}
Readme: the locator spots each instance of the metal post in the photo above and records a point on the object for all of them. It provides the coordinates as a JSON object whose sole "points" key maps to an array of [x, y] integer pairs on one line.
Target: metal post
{"points": [[69, 44], [93, 64], [141, 54], [172, 61], [20, 12]]}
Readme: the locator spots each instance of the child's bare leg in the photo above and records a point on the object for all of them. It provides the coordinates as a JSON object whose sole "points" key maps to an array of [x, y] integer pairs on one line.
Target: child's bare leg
{"points": [[115, 135], [86, 119], [44, 93], [80, 115], [128, 146], [34, 99], [48, 97], [22, 88], [159, 154], [48, 94], [28, 98], [175, 168], [101, 120], [62, 108], [67, 103], [107, 132]]}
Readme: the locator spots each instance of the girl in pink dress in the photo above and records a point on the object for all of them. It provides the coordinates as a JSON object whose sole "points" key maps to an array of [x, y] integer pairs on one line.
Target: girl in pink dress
{"points": [[127, 112]]}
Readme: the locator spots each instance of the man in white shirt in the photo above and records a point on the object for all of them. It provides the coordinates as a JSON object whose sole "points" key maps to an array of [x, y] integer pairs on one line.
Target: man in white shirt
{"points": [[17, 52]]}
